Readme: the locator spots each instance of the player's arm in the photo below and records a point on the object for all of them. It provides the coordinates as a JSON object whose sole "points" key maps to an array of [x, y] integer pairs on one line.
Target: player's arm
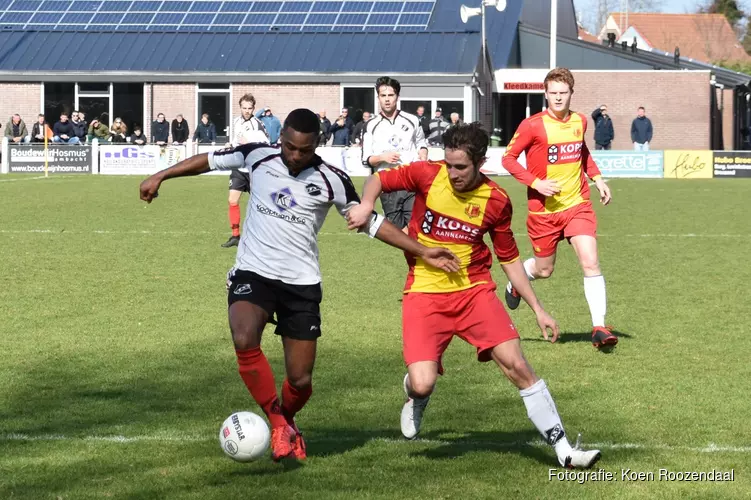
{"points": [[504, 246], [521, 142], [394, 179], [376, 226]]}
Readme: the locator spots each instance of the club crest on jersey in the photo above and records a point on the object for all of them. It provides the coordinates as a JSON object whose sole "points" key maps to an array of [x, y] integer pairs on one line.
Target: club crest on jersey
{"points": [[394, 141], [472, 210], [577, 132], [284, 199], [313, 190], [566, 152]]}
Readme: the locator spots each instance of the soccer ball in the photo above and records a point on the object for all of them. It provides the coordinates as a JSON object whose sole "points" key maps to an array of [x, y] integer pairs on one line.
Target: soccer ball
{"points": [[244, 436]]}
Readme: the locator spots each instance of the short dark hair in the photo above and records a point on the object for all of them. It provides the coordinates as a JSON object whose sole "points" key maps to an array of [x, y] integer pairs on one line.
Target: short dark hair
{"points": [[388, 82], [303, 120], [470, 138], [640, 107]]}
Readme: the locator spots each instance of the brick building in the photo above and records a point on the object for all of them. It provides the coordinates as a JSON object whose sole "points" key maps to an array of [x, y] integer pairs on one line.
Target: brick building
{"points": [[328, 55]]}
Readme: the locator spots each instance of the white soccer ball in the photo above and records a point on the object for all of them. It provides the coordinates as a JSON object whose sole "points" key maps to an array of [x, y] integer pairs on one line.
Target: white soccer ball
{"points": [[244, 436]]}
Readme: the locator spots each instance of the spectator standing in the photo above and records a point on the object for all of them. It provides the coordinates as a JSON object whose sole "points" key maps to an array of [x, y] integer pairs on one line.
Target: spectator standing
{"points": [[340, 131], [604, 133], [325, 135], [15, 130], [64, 132], [360, 128], [423, 120], [641, 130], [180, 130], [205, 132], [437, 127], [160, 130], [272, 124]]}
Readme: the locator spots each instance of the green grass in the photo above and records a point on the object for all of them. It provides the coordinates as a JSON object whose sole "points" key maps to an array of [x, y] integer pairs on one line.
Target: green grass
{"points": [[113, 323]]}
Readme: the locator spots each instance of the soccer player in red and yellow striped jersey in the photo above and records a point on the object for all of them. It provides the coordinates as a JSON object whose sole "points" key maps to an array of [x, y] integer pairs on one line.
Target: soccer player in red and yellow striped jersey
{"points": [[558, 193], [455, 206]]}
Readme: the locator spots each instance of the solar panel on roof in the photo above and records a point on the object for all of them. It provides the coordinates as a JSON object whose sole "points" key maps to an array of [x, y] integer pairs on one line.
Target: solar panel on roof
{"points": [[216, 15]]}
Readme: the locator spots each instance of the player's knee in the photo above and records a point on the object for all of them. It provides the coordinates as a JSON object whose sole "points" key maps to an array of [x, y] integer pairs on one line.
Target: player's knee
{"points": [[301, 380], [245, 337], [591, 266], [421, 388], [544, 271]]}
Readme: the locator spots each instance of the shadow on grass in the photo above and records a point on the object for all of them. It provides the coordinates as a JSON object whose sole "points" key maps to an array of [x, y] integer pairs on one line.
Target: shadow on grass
{"points": [[585, 337]]}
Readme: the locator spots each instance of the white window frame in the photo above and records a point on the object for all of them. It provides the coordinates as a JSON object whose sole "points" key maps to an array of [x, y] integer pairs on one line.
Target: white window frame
{"points": [[109, 94], [376, 107], [228, 92]]}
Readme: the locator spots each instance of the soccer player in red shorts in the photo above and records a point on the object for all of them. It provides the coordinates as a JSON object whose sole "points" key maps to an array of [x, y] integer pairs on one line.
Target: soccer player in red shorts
{"points": [[558, 194], [455, 206]]}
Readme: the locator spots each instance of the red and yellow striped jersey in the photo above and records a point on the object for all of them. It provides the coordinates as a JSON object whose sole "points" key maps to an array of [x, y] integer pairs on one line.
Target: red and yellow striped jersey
{"points": [[454, 220], [556, 150]]}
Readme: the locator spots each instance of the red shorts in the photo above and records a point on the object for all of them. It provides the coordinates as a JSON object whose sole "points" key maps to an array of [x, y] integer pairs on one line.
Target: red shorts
{"points": [[430, 321], [546, 230]]}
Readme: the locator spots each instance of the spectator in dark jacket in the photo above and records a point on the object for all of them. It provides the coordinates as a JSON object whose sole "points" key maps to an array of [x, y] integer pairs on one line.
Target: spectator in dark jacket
{"points": [[341, 132], [360, 128], [78, 120], [64, 132], [641, 131], [138, 138], [15, 130], [40, 129], [604, 133], [205, 131], [160, 130], [119, 131], [180, 130], [325, 134]]}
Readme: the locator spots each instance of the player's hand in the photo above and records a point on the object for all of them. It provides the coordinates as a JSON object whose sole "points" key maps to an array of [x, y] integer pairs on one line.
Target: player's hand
{"points": [[150, 188], [392, 157], [604, 190], [545, 321], [547, 187], [441, 258], [359, 215]]}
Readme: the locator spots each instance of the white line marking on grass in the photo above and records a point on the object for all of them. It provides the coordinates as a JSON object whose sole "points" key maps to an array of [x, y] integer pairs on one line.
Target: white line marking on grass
{"points": [[710, 448], [24, 179]]}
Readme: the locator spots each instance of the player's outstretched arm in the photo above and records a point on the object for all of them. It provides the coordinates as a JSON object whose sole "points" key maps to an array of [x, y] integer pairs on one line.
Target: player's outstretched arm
{"points": [[518, 278], [194, 165], [437, 257], [359, 215]]}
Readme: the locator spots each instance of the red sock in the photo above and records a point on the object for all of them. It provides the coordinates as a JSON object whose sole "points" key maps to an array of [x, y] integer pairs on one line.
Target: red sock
{"points": [[259, 379], [234, 219], [294, 399]]}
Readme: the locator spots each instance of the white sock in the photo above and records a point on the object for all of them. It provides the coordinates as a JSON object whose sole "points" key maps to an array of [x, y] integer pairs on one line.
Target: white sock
{"points": [[594, 291], [542, 412], [527, 266]]}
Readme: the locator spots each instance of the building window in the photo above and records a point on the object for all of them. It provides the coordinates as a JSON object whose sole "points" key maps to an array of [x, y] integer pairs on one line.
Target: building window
{"points": [[357, 100], [214, 99], [94, 100], [449, 107], [58, 98], [128, 104]]}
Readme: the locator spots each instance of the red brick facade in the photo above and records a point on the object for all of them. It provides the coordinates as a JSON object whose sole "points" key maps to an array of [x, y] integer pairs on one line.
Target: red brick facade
{"points": [[21, 98]]}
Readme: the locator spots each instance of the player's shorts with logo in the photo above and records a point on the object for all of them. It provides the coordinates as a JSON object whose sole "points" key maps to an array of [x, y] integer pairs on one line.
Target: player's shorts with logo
{"points": [[547, 230], [297, 307], [430, 321], [239, 181]]}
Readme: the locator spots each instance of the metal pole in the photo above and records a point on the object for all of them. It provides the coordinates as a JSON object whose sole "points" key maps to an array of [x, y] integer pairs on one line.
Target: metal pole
{"points": [[553, 31], [484, 55]]}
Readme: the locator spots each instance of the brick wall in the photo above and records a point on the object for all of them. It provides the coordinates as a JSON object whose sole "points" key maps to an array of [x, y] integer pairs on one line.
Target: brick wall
{"points": [[171, 99], [21, 98], [283, 98], [727, 118], [677, 103]]}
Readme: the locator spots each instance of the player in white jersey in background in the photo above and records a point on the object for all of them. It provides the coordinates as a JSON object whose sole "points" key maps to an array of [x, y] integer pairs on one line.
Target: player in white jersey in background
{"points": [[393, 138], [246, 129], [277, 269]]}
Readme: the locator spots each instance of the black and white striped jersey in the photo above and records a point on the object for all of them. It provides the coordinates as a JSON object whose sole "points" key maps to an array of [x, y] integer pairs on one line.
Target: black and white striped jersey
{"points": [[404, 135], [286, 211]]}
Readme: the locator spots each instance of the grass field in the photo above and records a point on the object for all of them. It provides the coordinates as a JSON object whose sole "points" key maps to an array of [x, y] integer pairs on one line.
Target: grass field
{"points": [[116, 365]]}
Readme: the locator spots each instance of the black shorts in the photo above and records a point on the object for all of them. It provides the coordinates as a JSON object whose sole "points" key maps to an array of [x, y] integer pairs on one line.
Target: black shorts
{"points": [[239, 181], [397, 207], [297, 307]]}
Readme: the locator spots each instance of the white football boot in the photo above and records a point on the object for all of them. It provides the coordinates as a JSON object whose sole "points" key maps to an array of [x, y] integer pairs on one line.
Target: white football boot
{"points": [[580, 459], [412, 413]]}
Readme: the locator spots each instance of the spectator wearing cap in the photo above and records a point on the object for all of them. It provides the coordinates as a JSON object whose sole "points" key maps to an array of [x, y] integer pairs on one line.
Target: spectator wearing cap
{"points": [[437, 127], [15, 130], [271, 122]]}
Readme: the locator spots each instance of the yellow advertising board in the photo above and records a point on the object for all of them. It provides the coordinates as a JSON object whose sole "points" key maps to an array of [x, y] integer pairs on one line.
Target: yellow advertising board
{"points": [[688, 164]]}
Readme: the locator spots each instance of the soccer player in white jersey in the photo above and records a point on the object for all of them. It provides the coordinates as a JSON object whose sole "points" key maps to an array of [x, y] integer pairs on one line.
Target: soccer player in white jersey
{"points": [[246, 129], [277, 269], [393, 138]]}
